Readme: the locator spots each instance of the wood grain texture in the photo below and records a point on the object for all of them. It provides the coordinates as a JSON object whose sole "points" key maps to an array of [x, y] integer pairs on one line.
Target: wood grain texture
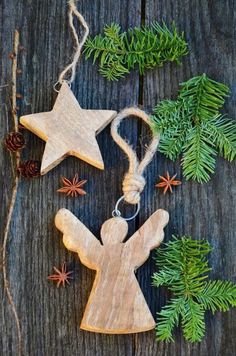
{"points": [[203, 211], [68, 130], [51, 317], [116, 303]]}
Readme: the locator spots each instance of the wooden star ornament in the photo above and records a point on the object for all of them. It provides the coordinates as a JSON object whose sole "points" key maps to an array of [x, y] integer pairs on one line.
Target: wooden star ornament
{"points": [[69, 130]]}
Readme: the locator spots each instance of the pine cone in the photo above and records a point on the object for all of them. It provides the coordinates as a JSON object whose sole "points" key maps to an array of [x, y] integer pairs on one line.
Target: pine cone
{"points": [[29, 169], [14, 141]]}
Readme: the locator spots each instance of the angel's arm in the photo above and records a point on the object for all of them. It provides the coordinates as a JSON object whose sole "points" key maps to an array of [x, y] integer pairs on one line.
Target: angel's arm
{"points": [[78, 238], [149, 236]]}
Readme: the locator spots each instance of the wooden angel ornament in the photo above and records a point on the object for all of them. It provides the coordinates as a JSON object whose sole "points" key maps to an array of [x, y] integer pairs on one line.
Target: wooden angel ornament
{"points": [[116, 304]]}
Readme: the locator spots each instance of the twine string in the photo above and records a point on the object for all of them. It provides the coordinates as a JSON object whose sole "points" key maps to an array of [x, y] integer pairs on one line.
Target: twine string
{"points": [[134, 182], [71, 68]]}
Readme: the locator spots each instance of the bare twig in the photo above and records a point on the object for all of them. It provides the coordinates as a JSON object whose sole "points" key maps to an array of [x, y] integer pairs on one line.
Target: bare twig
{"points": [[13, 197], [6, 109]]}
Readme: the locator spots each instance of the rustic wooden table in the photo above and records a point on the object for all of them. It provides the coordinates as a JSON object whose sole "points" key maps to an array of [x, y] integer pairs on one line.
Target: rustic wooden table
{"points": [[50, 317]]}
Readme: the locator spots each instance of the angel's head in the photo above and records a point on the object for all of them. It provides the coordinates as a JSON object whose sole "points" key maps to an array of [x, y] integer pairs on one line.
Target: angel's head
{"points": [[114, 231]]}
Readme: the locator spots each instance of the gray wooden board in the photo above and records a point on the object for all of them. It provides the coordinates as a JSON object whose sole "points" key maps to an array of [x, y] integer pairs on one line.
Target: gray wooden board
{"points": [[50, 317]]}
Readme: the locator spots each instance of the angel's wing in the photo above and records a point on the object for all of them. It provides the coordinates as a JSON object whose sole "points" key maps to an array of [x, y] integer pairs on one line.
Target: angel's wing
{"points": [[78, 238], [149, 236]]}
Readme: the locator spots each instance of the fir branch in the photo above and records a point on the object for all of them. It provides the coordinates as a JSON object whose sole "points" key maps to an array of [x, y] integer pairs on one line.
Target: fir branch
{"points": [[218, 295], [183, 268], [204, 96], [147, 47], [171, 126], [193, 125], [169, 318], [222, 131], [198, 157], [193, 323], [164, 277]]}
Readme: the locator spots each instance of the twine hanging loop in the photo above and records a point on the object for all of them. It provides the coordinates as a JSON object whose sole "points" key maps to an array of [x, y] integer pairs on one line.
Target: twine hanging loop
{"points": [[71, 68], [134, 182]]}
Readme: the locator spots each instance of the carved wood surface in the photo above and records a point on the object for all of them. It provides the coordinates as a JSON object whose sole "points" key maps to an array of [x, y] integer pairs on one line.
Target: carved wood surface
{"points": [[68, 130], [50, 317], [116, 303]]}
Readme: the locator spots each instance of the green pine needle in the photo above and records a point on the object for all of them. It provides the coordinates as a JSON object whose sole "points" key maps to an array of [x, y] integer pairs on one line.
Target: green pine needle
{"points": [[183, 268], [222, 131], [193, 323], [198, 153], [169, 318], [193, 126], [147, 47], [218, 295]]}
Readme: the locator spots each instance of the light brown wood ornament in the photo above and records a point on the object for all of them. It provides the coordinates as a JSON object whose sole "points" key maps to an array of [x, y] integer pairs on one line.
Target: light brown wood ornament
{"points": [[116, 304], [69, 130]]}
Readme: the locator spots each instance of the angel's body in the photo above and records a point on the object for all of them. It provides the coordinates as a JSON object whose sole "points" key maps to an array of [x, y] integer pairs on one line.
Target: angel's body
{"points": [[115, 295], [116, 303]]}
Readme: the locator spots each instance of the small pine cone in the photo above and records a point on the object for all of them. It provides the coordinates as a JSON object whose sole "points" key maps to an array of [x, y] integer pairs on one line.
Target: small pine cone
{"points": [[14, 141], [29, 169], [12, 55]]}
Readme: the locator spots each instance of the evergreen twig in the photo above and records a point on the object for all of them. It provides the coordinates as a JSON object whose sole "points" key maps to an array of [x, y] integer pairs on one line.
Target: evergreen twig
{"points": [[193, 125], [183, 268], [145, 48]]}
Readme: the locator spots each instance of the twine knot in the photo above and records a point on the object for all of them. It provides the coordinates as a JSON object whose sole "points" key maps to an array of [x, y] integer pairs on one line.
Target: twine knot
{"points": [[133, 185]]}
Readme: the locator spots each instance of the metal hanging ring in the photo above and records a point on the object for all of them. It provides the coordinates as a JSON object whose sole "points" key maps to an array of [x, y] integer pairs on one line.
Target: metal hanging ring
{"points": [[116, 212]]}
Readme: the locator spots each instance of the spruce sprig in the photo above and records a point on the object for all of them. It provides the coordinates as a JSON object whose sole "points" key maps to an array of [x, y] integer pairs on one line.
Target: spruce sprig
{"points": [[193, 125], [145, 48], [183, 268]]}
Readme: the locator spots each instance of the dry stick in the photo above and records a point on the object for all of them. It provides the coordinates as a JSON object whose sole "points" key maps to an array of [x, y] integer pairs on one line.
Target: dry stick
{"points": [[6, 110], [13, 197]]}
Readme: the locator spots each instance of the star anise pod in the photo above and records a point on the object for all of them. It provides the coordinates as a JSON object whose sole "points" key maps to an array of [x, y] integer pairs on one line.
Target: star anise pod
{"points": [[74, 187], [167, 182], [29, 169], [14, 141], [61, 277]]}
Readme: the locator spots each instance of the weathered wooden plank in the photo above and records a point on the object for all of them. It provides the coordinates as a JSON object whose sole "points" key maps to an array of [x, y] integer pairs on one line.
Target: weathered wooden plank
{"points": [[203, 211], [50, 318]]}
